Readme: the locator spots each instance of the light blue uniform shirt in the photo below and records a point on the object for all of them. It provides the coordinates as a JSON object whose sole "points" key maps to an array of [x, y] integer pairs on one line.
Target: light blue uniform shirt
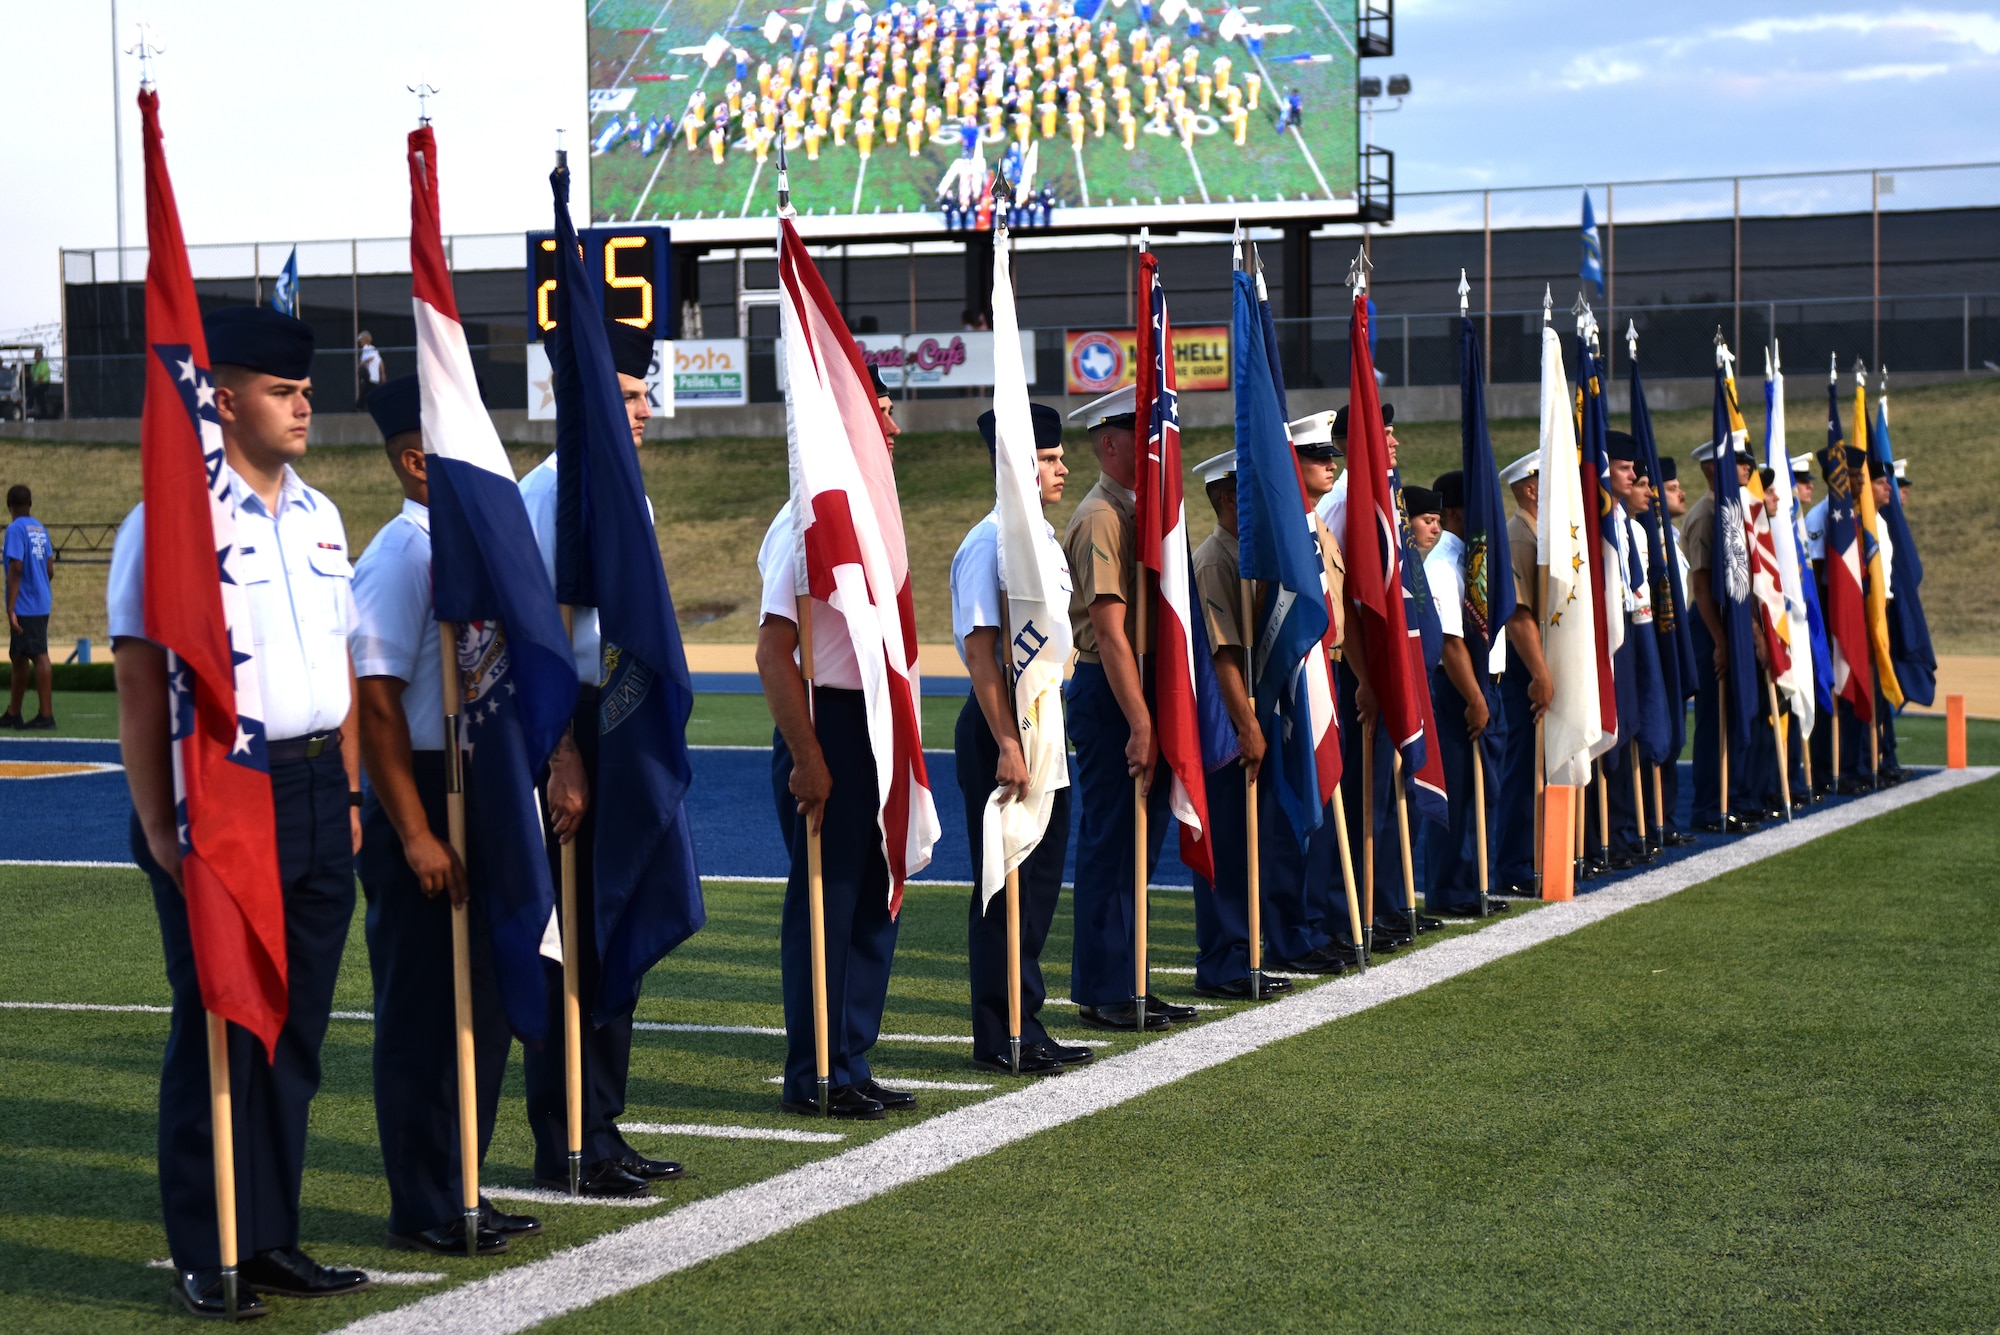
{"points": [[296, 574], [538, 493], [396, 629], [975, 582], [28, 542]]}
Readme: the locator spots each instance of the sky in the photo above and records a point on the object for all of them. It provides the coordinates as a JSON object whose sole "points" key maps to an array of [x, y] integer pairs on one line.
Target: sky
{"points": [[286, 120]]}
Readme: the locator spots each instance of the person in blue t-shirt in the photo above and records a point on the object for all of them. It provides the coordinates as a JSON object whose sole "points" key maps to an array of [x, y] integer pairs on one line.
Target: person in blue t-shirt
{"points": [[28, 554]]}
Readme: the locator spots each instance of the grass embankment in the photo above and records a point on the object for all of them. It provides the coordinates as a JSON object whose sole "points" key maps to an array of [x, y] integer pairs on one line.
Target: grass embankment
{"points": [[714, 498], [1763, 1104]]}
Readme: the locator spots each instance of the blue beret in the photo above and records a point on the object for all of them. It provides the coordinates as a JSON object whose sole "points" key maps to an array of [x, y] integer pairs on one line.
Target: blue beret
{"points": [[1048, 427], [1669, 469], [875, 379], [259, 338], [631, 349], [1422, 501], [1622, 446], [397, 407]]}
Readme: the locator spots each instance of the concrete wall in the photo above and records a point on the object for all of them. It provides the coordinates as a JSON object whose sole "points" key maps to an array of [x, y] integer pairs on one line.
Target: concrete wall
{"points": [[1416, 403]]}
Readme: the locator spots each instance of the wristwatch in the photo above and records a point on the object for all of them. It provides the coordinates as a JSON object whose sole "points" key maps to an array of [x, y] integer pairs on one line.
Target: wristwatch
{"points": [[354, 798]]}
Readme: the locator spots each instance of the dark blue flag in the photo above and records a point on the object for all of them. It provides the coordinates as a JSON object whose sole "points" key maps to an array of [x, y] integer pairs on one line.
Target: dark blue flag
{"points": [[1275, 545], [285, 291], [1729, 574], [1672, 642], [1489, 567], [1909, 633], [648, 894]]}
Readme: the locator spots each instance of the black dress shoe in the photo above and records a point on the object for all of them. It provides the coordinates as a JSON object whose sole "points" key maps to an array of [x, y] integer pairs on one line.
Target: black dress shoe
{"points": [[200, 1293], [606, 1177], [290, 1272], [1320, 961], [1175, 1014], [507, 1225], [10, 720], [1071, 1055], [1854, 787], [1675, 839], [649, 1170], [1729, 825], [1392, 938], [1122, 1016], [1427, 924], [1239, 989], [1034, 1061], [842, 1101], [449, 1239], [892, 1100]]}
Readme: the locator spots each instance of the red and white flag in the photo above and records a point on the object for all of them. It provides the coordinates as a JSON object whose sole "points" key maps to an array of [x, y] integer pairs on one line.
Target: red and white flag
{"points": [[1161, 534], [196, 610], [850, 543]]}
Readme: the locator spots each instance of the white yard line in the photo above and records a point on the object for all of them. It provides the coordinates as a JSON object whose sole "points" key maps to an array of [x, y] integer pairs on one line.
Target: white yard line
{"points": [[732, 1132], [1082, 177], [537, 1196], [1199, 184], [46, 862], [860, 175], [77, 1005], [616, 1263], [1297, 138], [897, 1082]]}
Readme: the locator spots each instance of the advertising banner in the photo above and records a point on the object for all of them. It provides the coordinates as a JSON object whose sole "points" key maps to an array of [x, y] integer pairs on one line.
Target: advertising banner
{"points": [[661, 388], [1097, 361], [711, 372], [938, 361]]}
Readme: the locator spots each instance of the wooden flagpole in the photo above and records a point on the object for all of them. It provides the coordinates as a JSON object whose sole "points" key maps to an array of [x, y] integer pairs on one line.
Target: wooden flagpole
{"points": [[572, 988], [815, 886], [1140, 929], [1250, 805], [1347, 879], [222, 1124], [1403, 838], [1722, 740], [1368, 840], [1660, 809], [1638, 796], [1479, 818], [1778, 737], [1541, 799], [461, 947], [1805, 760], [1604, 815]]}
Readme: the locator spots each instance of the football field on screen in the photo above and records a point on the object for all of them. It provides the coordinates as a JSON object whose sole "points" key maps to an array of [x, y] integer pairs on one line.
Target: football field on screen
{"points": [[632, 44], [1766, 1103]]}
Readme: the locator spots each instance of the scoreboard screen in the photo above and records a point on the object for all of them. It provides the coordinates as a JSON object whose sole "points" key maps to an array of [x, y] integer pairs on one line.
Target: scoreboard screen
{"points": [[631, 266], [899, 118]]}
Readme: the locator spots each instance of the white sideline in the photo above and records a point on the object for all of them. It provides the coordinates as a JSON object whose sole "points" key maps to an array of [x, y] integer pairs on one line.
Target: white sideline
{"points": [[732, 1132], [616, 1263]]}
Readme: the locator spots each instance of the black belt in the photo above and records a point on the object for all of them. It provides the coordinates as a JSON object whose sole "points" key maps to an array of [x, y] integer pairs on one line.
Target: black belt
{"points": [[303, 748]]}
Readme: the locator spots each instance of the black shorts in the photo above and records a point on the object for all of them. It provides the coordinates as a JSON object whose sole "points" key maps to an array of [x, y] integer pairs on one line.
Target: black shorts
{"points": [[32, 640]]}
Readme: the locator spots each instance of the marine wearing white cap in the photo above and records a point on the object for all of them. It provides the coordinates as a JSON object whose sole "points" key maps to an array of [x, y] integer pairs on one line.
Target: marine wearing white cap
{"points": [[1109, 408], [1525, 687], [1523, 468]]}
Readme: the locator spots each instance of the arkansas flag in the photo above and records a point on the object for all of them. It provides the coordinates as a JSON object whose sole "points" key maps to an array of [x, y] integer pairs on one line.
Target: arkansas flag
{"points": [[1035, 576], [197, 611], [850, 544], [1161, 534]]}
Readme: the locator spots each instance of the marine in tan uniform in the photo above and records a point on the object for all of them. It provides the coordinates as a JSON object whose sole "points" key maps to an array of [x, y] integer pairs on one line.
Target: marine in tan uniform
{"points": [[1111, 726], [1525, 690]]}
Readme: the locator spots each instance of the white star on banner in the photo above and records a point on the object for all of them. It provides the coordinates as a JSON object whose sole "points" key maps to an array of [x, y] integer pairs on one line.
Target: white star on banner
{"points": [[187, 371], [242, 746]]}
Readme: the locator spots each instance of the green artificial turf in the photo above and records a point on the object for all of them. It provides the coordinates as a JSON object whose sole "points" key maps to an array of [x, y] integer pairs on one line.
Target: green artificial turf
{"points": [[79, 1206], [1764, 1104]]}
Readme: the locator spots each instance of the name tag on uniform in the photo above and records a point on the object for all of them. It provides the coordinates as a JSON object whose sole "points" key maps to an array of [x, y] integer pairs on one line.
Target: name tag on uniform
{"points": [[328, 547]]}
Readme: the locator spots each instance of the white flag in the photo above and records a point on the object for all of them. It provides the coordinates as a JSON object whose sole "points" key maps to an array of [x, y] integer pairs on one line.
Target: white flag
{"points": [[1035, 578], [1796, 681], [1571, 729]]}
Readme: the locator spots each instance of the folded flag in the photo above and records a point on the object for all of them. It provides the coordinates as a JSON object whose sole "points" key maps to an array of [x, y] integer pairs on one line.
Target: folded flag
{"points": [[647, 896], [850, 546], [518, 680], [196, 609], [1035, 579]]}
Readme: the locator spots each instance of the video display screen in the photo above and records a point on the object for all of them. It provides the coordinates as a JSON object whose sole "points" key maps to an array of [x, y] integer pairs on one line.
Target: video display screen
{"points": [[906, 119]]}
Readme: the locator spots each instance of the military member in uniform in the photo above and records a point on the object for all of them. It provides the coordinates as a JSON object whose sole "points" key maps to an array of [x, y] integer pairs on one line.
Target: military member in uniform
{"points": [[987, 745], [610, 1166], [1711, 654], [1110, 725], [412, 876], [823, 771], [1675, 499], [1426, 510], [1466, 704], [1525, 691], [1221, 909], [292, 559]]}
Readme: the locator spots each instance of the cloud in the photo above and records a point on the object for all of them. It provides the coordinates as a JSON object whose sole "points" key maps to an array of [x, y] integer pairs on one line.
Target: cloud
{"points": [[1980, 31], [1869, 73], [1597, 71]]}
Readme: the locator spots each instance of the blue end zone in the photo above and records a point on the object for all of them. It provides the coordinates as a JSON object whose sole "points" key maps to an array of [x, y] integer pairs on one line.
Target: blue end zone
{"points": [[84, 817], [746, 683]]}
